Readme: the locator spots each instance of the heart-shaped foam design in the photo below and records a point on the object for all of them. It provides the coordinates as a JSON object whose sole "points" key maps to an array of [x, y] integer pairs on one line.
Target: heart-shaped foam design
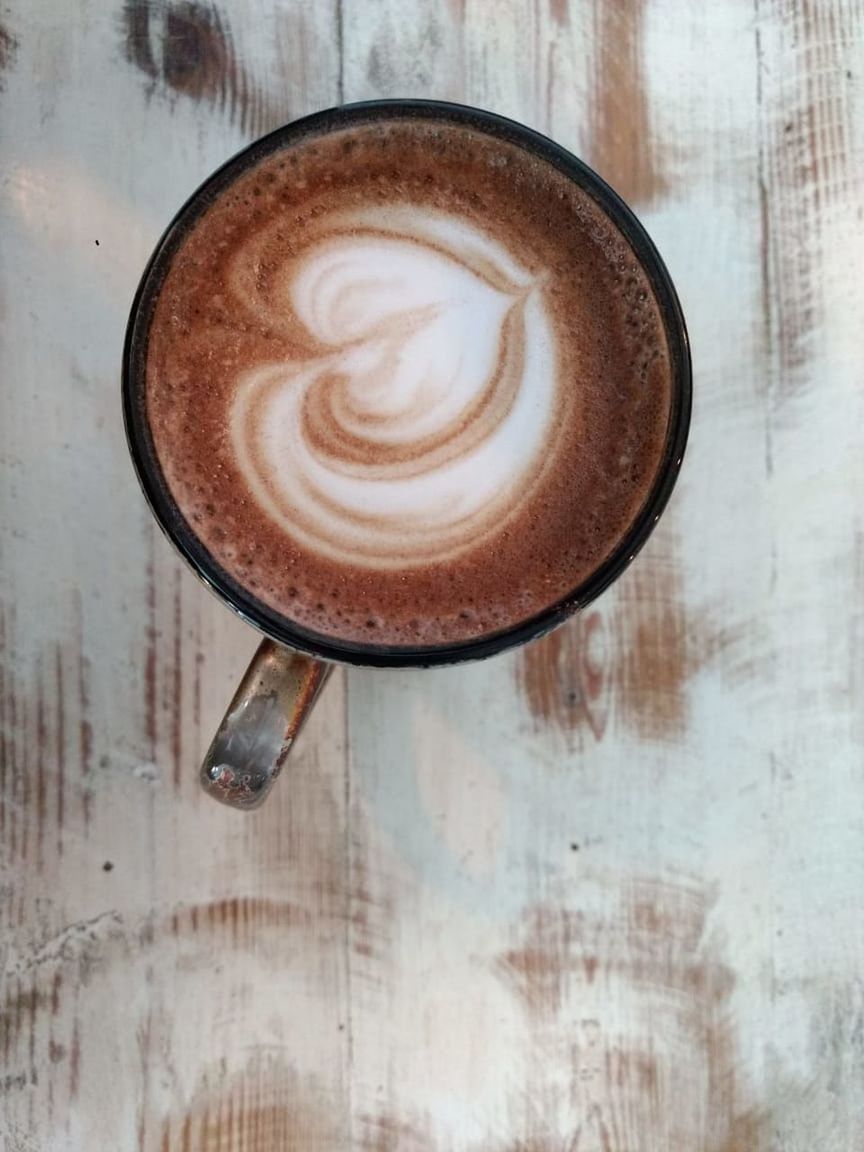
{"points": [[417, 425]]}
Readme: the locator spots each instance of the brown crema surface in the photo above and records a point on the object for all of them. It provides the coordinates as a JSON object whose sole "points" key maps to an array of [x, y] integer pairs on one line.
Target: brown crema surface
{"points": [[613, 383]]}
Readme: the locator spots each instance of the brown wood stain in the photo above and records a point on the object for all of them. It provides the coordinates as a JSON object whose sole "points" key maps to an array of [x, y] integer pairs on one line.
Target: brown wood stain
{"points": [[559, 11], [267, 1107], [622, 145], [565, 676], [657, 647], [8, 51], [640, 995], [634, 658], [187, 48]]}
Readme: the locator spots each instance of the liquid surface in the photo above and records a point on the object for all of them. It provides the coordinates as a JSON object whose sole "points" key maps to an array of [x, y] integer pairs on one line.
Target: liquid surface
{"points": [[407, 383]]}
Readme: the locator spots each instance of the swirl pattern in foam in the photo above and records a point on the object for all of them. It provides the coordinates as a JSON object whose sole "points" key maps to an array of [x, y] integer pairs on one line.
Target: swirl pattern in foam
{"points": [[406, 382], [418, 426]]}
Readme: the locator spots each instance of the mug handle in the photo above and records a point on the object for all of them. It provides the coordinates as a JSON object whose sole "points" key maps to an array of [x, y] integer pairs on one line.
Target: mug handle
{"points": [[262, 722]]}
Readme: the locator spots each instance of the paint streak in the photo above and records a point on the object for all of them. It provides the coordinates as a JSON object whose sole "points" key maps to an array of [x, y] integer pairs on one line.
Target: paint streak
{"points": [[806, 167], [622, 145], [565, 676], [187, 49], [267, 1107], [638, 996], [8, 52]]}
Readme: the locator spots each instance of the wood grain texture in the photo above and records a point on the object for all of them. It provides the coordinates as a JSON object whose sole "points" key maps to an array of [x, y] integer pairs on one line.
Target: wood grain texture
{"points": [[599, 895]]}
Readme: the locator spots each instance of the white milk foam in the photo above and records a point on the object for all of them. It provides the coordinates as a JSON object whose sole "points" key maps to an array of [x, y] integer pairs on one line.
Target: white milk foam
{"points": [[418, 421]]}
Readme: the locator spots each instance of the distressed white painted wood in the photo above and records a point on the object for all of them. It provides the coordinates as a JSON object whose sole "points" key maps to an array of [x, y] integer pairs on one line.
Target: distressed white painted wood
{"points": [[603, 894]]}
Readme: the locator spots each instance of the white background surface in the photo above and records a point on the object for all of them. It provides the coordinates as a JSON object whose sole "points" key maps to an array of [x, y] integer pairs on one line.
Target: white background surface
{"points": [[599, 896]]}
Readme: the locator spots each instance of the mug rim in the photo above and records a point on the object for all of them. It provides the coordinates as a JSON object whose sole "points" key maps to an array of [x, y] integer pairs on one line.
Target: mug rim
{"points": [[171, 520]]}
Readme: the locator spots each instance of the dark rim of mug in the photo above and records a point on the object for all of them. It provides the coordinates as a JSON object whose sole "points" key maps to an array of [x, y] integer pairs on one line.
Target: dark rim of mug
{"points": [[168, 514]]}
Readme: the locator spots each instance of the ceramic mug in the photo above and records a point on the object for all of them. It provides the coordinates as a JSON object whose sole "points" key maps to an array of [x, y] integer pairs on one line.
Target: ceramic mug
{"points": [[292, 663]]}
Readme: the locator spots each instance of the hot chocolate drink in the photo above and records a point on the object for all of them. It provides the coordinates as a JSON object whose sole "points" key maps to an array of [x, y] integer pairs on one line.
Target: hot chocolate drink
{"points": [[407, 383]]}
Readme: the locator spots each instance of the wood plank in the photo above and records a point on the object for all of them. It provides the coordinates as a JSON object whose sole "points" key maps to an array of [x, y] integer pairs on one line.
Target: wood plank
{"points": [[624, 776], [161, 955]]}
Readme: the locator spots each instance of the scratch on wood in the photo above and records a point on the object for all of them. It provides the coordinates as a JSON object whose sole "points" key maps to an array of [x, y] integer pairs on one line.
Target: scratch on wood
{"points": [[75, 1059], [199, 661], [60, 738], [177, 683], [85, 730], [144, 1038], [150, 652], [622, 144], [41, 765], [764, 245], [24, 772], [35, 999], [56, 985]]}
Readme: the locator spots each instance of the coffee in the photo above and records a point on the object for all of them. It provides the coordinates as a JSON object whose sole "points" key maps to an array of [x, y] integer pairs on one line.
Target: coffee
{"points": [[407, 382]]}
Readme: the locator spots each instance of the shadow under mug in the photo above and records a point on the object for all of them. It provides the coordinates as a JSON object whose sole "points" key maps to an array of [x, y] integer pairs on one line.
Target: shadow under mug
{"points": [[292, 663]]}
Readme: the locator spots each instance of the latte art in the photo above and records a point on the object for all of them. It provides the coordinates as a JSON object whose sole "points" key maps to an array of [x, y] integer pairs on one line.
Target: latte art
{"points": [[416, 425], [407, 384]]}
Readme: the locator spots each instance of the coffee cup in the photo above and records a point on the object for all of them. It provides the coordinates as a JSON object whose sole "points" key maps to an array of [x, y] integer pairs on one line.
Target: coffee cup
{"points": [[406, 384]]}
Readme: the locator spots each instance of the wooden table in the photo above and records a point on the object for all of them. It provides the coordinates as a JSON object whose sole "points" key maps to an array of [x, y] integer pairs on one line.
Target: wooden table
{"points": [[603, 895]]}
